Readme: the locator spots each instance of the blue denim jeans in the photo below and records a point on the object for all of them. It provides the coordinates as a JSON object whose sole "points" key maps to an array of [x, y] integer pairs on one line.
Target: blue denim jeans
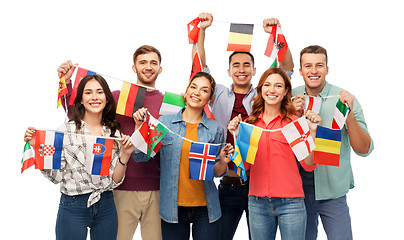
{"points": [[334, 214], [74, 218], [266, 214], [201, 228], [233, 202]]}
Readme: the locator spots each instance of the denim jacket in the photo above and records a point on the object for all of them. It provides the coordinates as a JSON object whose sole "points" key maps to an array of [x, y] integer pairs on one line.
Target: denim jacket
{"points": [[208, 131]]}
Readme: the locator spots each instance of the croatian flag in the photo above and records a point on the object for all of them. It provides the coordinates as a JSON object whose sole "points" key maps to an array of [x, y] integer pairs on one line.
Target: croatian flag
{"points": [[202, 161], [48, 149], [99, 153]]}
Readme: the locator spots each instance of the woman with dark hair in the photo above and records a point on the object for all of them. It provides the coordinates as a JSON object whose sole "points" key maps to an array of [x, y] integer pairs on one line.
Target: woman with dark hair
{"points": [[276, 193], [185, 201], [87, 200]]}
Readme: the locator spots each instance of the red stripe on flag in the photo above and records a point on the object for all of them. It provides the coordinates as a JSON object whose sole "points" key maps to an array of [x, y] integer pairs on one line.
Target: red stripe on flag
{"points": [[130, 101], [81, 73], [239, 47], [325, 158], [39, 158], [303, 135], [311, 103], [107, 155]]}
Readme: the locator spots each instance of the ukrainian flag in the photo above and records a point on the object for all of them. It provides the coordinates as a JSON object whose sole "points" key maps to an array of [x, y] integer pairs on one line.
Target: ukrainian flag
{"points": [[248, 138], [328, 146], [238, 162]]}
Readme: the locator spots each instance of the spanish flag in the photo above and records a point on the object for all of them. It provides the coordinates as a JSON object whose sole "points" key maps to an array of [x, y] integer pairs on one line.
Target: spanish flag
{"points": [[328, 146], [130, 99], [240, 37]]}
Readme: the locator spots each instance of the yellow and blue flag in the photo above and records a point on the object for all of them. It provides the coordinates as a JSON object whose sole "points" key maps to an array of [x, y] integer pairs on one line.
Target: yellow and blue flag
{"points": [[247, 141]]}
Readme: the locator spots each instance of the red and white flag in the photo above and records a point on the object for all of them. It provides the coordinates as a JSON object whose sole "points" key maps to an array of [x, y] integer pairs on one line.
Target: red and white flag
{"points": [[277, 45], [312, 103], [297, 133], [193, 30]]}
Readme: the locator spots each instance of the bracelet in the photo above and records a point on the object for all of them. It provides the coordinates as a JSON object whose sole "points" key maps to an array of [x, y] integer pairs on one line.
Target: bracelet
{"points": [[119, 159]]}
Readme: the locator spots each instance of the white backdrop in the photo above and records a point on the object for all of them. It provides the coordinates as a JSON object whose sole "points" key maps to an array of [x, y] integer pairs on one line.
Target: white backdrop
{"points": [[363, 42]]}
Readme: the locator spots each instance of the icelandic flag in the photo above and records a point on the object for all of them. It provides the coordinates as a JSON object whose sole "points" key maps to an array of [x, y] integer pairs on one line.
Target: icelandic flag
{"points": [[48, 149], [202, 161], [99, 154]]}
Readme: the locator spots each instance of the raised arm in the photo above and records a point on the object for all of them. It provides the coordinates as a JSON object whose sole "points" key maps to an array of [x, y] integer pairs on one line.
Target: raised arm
{"points": [[206, 21], [287, 63]]}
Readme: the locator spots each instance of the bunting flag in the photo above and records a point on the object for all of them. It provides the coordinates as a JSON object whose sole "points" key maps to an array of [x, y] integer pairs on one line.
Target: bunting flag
{"points": [[131, 98], [196, 65], [340, 115], [276, 46], [208, 112], [247, 140], [193, 30], [148, 136], [172, 103], [238, 162], [28, 159], [297, 133], [156, 132], [62, 90], [328, 146], [240, 37], [80, 74], [48, 149], [312, 103], [202, 161], [99, 154]]}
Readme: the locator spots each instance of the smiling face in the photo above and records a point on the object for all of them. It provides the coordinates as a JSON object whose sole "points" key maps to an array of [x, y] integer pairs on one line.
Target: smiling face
{"points": [[93, 99], [274, 90], [241, 71], [147, 67], [314, 70], [198, 93]]}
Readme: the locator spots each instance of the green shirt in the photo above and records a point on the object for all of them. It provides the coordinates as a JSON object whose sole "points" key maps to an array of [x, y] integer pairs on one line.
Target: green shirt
{"points": [[329, 181]]}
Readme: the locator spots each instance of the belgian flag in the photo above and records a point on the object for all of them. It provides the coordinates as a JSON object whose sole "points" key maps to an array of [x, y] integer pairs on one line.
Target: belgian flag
{"points": [[240, 37]]}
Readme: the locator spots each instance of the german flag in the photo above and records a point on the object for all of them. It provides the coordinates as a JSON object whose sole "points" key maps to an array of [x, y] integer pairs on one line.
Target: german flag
{"points": [[240, 37], [130, 99]]}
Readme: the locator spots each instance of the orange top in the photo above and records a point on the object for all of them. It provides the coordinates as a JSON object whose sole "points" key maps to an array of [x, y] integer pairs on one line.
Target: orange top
{"points": [[190, 191], [275, 172]]}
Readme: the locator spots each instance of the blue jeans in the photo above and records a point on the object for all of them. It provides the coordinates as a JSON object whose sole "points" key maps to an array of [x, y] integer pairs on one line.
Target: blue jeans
{"points": [[201, 228], [334, 214], [233, 202], [74, 218], [267, 213]]}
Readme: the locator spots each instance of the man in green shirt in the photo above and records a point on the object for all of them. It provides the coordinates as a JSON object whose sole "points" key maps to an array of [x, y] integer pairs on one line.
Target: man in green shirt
{"points": [[326, 187]]}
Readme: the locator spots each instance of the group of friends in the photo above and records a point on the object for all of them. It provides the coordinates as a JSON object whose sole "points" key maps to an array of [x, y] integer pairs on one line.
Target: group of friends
{"points": [[157, 192]]}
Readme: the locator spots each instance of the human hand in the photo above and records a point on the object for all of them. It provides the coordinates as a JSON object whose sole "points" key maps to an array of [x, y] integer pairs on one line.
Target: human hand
{"points": [[67, 68], [298, 102], [206, 20], [269, 23]]}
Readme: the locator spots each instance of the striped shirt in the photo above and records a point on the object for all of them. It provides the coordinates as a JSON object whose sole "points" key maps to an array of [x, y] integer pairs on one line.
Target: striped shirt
{"points": [[73, 177]]}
